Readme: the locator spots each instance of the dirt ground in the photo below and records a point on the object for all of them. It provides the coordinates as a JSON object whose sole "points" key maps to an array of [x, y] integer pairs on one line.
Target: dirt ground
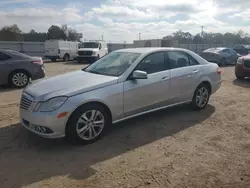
{"points": [[176, 147]]}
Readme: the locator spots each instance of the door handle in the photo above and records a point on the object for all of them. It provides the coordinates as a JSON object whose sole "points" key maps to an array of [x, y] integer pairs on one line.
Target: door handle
{"points": [[195, 71], [164, 78]]}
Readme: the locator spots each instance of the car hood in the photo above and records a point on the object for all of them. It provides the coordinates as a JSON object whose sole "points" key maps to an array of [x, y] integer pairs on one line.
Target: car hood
{"points": [[245, 57], [88, 49], [68, 84]]}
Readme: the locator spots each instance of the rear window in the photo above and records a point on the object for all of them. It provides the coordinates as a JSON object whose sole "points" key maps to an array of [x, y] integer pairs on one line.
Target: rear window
{"points": [[4, 57], [18, 53]]}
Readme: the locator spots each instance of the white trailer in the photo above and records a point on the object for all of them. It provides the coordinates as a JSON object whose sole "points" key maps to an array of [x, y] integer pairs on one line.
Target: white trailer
{"points": [[59, 49]]}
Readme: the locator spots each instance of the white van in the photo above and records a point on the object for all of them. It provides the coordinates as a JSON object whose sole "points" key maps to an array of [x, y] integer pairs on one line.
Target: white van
{"points": [[92, 51], [59, 49]]}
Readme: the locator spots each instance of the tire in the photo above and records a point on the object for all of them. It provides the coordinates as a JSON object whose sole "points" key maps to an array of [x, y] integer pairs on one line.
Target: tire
{"points": [[53, 59], [19, 79], [240, 77], [66, 57], [80, 124], [201, 91], [222, 62], [79, 61]]}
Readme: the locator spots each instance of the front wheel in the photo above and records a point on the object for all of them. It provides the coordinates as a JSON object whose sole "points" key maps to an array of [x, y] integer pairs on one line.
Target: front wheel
{"points": [[87, 124], [201, 97]]}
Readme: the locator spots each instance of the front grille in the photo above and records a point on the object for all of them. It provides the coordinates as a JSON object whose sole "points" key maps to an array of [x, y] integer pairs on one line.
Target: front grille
{"points": [[25, 103], [85, 52], [247, 64]]}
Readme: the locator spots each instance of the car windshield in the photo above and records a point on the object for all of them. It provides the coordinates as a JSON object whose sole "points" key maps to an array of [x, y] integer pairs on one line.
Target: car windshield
{"points": [[114, 64], [90, 45]]}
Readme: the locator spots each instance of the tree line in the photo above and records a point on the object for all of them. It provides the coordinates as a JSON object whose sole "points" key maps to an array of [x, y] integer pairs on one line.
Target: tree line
{"points": [[14, 33], [239, 37]]}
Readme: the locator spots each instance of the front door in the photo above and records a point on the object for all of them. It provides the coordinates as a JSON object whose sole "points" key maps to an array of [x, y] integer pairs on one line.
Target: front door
{"points": [[184, 72], [141, 95]]}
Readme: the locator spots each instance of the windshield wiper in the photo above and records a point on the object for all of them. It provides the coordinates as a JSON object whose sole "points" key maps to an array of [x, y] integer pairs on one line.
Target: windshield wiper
{"points": [[94, 72]]}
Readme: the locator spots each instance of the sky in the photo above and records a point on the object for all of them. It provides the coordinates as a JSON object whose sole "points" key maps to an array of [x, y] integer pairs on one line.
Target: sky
{"points": [[123, 20]]}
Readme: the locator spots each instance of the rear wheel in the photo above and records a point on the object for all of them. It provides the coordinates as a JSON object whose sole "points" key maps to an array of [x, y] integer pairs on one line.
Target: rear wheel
{"points": [[19, 79], [53, 59], [87, 124], [201, 97], [66, 57]]}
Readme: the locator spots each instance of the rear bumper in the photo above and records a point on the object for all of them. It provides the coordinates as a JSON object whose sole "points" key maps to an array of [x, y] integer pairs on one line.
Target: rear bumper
{"points": [[215, 87], [38, 73], [52, 56]]}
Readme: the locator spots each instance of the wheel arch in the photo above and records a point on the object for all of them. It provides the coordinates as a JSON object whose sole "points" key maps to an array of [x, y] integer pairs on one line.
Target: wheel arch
{"points": [[18, 70], [89, 103]]}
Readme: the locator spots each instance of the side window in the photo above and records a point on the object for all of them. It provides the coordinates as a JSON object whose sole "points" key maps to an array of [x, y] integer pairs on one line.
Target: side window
{"points": [[152, 63], [177, 59], [100, 46], [4, 57], [226, 51], [193, 61]]}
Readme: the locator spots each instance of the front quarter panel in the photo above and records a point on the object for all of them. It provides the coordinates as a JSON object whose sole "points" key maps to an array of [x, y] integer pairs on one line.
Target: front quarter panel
{"points": [[111, 96]]}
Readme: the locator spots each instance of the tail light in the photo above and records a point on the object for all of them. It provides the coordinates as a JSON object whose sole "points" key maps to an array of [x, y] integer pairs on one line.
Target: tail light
{"points": [[240, 62], [219, 71], [39, 61]]}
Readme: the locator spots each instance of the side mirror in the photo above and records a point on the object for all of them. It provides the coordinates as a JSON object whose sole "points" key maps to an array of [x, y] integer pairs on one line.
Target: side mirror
{"points": [[139, 75]]}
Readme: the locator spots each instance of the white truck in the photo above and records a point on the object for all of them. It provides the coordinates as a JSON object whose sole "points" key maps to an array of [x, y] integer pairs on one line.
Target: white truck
{"points": [[91, 51], [59, 49]]}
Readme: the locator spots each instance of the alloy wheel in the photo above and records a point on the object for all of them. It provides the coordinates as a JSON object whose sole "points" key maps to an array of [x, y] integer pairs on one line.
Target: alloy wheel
{"points": [[90, 124], [20, 79], [202, 97]]}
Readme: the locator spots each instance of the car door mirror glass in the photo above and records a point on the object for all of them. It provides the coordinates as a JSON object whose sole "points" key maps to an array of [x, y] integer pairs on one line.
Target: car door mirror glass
{"points": [[139, 75]]}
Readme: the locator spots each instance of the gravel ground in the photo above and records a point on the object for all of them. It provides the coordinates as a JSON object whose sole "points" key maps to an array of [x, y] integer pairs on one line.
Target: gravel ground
{"points": [[176, 147]]}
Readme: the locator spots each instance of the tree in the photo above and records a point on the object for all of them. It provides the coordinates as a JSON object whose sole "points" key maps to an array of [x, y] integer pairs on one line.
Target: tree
{"points": [[55, 32], [11, 33]]}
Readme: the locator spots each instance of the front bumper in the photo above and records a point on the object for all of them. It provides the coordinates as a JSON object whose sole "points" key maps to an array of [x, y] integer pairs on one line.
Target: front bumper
{"points": [[56, 126], [86, 58]]}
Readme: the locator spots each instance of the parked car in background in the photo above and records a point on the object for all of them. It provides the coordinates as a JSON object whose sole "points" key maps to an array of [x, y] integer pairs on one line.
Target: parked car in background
{"points": [[242, 49], [59, 49], [242, 68], [124, 84], [221, 56], [17, 69], [92, 51]]}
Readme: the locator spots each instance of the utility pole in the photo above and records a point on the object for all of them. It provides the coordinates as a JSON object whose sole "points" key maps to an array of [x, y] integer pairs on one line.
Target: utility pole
{"points": [[139, 36], [102, 36], [202, 27]]}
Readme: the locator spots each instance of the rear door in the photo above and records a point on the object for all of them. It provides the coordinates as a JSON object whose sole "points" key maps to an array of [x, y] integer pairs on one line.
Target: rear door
{"points": [[5, 67], [185, 72]]}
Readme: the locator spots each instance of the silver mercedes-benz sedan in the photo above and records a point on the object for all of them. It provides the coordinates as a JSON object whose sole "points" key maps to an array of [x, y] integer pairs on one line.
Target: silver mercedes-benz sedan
{"points": [[126, 83]]}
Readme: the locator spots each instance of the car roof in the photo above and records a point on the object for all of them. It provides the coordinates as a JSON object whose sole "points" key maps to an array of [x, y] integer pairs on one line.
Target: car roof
{"points": [[13, 52], [215, 49], [146, 50]]}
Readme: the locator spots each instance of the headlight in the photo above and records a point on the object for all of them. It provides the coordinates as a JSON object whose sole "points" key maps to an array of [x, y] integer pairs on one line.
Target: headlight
{"points": [[51, 105], [94, 52], [240, 61]]}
